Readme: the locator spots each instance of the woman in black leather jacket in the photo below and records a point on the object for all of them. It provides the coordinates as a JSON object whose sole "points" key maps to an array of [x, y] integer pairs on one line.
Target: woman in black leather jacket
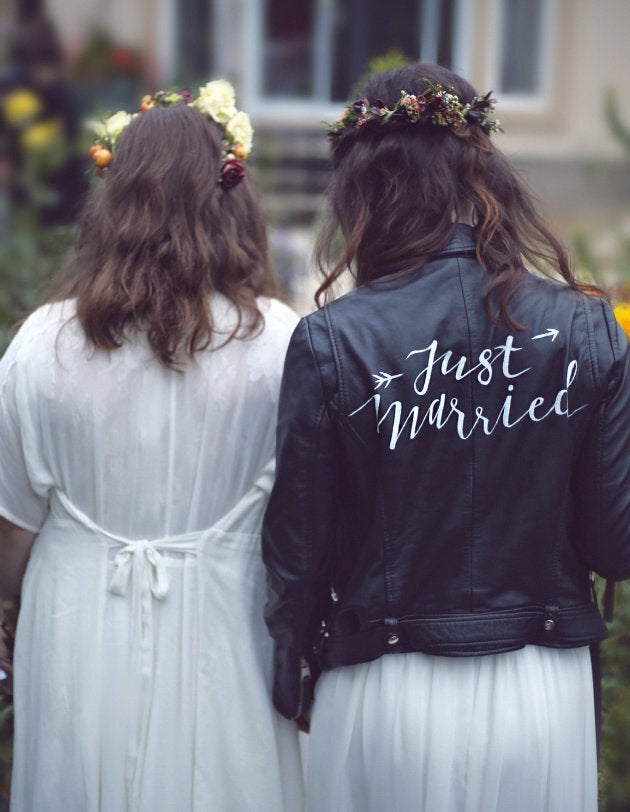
{"points": [[453, 465]]}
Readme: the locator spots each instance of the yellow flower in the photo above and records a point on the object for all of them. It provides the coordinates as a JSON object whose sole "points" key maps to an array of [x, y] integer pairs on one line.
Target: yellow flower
{"points": [[240, 131], [217, 100], [622, 312], [20, 106], [40, 136]]}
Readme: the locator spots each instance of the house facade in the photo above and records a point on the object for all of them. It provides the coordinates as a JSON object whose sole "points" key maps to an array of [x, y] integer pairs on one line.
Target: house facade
{"points": [[294, 63]]}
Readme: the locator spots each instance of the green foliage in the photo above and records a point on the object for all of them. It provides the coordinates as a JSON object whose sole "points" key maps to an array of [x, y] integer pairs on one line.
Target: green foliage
{"points": [[394, 58], [614, 773], [605, 259], [103, 59], [29, 257], [613, 117], [8, 614]]}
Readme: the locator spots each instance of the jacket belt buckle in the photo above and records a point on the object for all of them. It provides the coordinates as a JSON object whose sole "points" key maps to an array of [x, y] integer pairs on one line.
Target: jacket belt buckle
{"points": [[551, 617], [392, 634]]}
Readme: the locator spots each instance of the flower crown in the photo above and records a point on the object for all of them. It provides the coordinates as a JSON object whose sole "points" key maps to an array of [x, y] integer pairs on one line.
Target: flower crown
{"points": [[216, 100], [437, 105]]}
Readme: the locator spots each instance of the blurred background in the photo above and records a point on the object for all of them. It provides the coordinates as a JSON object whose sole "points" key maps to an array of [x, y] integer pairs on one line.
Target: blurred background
{"points": [[559, 69]]}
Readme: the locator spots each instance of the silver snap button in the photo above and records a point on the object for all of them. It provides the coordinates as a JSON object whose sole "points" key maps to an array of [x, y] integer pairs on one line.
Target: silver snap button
{"points": [[550, 625], [392, 639]]}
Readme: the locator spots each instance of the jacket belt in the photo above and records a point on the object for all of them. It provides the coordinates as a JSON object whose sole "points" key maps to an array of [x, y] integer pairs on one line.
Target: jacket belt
{"points": [[465, 636]]}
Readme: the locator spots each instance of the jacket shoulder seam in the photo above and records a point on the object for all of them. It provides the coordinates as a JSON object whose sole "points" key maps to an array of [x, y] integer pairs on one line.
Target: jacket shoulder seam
{"points": [[336, 358]]}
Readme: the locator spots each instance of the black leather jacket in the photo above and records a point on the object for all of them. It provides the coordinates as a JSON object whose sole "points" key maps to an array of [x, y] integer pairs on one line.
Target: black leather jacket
{"points": [[446, 484]]}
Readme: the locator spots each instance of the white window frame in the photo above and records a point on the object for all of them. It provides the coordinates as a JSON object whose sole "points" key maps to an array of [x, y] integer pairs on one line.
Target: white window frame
{"points": [[526, 102], [167, 31]]}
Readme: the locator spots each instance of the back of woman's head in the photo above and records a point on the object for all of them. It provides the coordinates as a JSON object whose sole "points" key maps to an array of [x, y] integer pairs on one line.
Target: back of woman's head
{"points": [[399, 188], [160, 234]]}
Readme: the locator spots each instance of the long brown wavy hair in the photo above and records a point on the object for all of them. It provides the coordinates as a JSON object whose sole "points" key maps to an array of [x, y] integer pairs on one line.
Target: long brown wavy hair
{"points": [[397, 191], [160, 235]]}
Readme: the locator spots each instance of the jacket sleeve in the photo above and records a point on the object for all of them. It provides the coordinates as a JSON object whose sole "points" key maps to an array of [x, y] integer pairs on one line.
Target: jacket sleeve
{"points": [[603, 466], [298, 528]]}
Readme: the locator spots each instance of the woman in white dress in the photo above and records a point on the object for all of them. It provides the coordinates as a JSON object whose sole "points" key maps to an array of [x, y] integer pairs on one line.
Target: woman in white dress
{"points": [[453, 463], [137, 420]]}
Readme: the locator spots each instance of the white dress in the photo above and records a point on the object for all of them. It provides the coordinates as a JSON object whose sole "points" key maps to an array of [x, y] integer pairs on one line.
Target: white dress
{"points": [[510, 732], [142, 663]]}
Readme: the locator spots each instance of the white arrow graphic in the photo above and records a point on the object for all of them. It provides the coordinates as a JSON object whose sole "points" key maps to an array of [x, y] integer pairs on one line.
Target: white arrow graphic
{"points": [[384, 378], [551, 333]]}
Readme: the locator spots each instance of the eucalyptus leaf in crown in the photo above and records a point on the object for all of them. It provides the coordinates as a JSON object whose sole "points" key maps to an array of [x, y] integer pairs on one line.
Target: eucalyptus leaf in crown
{"points": [[216, 100], [437, 106]]}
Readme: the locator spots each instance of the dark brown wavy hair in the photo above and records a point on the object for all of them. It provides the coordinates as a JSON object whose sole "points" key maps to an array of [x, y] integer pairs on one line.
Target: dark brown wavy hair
{"points": [[397, 190], [159, 235]]}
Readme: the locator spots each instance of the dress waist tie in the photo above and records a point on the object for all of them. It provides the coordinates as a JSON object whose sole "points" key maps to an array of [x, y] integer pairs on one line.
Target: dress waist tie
{"points": [[141, 563]]}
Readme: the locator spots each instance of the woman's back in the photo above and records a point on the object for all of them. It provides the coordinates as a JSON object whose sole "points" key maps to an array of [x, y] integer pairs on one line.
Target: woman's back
{"points": [[136, 444], [466, 453], [143, 450], [452, 464]]}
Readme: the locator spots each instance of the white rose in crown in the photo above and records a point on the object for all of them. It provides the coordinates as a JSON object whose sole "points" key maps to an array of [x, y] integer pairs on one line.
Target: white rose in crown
{"points": [[240, 131], [112, 127], [97, 127], [217, 100], [116, 124]]}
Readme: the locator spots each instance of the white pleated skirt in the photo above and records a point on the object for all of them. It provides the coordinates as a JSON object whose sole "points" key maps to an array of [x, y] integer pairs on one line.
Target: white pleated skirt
{"points": [[512, 732]]}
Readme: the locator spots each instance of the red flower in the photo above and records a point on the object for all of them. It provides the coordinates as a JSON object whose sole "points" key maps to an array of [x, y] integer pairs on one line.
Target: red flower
{"points": [[232, 173], [124, 59]]}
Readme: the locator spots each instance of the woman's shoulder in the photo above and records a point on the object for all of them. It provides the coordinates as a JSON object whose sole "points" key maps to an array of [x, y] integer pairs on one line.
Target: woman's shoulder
{"points": [[540, 294], [277, 313], [279, 322], [42, 323], [587, 317], [36, 338]]}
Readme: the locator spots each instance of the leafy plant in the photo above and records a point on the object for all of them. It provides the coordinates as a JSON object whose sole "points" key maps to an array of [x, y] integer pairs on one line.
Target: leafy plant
{"points": [[606, 261], [29, 257], [9, 613], [393, 58], [614, 775]]}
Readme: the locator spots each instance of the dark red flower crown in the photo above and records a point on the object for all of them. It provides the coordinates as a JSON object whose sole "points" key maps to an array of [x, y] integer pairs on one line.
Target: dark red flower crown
{"points": [[438, 106]]}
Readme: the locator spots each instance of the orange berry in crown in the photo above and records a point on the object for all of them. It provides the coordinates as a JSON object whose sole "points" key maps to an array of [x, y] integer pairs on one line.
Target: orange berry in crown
{"points": [[240, 153], [94, 149], [102, 157], [146, 103]]}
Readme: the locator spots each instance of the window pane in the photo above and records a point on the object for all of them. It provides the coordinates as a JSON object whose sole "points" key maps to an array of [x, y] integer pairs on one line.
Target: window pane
{"points": [[288, 48], [193, 46], [522, 46], [446, 36], [343, 36], [368, 28]]}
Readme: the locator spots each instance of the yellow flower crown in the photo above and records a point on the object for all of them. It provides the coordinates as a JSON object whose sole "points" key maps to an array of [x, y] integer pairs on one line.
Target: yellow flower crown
{"points": [[216, 100]]}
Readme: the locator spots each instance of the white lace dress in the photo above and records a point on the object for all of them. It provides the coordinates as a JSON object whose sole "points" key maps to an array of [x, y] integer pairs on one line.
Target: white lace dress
{"points": [[142, 665]]}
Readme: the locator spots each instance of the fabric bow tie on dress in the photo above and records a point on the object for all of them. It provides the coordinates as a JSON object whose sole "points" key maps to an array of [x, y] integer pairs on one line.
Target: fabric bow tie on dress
{"points": [[149, 562], [142, 564]]}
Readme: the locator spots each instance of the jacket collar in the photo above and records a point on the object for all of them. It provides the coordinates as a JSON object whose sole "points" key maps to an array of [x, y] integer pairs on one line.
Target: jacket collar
{"points": [[462, 242]]}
